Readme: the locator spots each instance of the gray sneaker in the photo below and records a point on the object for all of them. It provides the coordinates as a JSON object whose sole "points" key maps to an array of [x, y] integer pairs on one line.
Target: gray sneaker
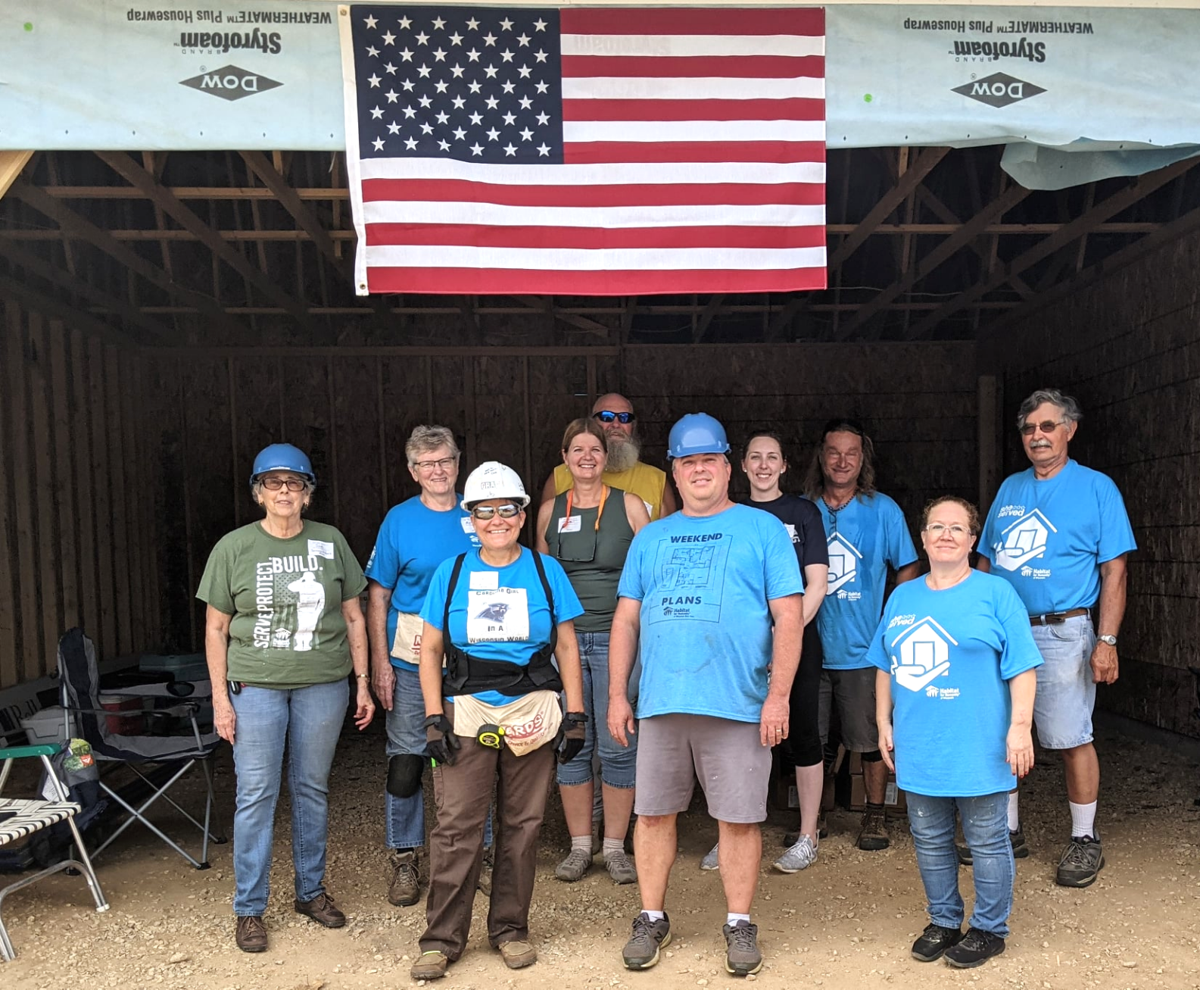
{"points": [[799, 857], [742, 957], [573, 868], [641, 951], [1081, 862], [710, 861], [620, 867]]}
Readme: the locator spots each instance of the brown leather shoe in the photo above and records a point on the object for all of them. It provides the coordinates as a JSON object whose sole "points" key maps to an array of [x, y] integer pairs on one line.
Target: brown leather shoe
{"points": [[322, 910], [251, 933], [517, 955], [430, 966], [405, 888]]}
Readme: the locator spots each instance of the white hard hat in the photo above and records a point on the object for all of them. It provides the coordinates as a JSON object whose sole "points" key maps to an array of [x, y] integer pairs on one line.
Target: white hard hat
{"points": [[493, 480]]}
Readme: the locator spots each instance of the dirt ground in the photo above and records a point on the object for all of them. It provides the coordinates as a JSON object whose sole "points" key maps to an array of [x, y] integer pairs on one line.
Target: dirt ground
{"points": [[844, 924]]}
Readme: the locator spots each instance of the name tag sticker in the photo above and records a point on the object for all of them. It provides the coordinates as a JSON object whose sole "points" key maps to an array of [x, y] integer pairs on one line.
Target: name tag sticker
{"points": [[498, 615], [485, 580], [467, 526], [320, 548], [570, 524]]}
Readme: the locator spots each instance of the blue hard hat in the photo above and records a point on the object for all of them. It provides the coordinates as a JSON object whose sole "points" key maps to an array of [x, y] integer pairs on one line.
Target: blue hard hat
{"points": [[697, 433], [282, 457]]}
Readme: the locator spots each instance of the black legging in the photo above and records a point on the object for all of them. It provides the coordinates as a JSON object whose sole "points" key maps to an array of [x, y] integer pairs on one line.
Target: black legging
{"points": [[802, 747]]}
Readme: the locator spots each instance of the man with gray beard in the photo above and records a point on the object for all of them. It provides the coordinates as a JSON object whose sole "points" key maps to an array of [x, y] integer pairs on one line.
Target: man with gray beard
{"points": [[624, 470]]}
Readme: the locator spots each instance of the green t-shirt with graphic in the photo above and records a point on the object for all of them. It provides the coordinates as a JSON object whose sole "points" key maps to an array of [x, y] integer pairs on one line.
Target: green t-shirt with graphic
{"points": [[285, 596]]}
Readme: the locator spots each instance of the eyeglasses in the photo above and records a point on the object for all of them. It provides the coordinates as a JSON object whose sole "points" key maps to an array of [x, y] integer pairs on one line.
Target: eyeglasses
{"points": [[937, 529], [1046, 426], [608, 416], [485, 512], [445, 463], [293, 484]]}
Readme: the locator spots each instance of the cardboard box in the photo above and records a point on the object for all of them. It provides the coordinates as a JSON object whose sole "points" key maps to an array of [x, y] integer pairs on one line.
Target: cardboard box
{"points": [[893, 801]]}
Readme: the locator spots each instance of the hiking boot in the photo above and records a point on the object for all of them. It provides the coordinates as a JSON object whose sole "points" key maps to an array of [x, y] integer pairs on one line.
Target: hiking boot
{"points": [[405, 888], [742, 957], [791, 838], [620, 868], [517, 954], [934, 941], [641, 951], [484, 883], [430, 966], [800, 856], [251, 933], [710, 861], [573, 868], [1081, 862], [976, 948], [1019, 847], [322, 910], [874, 834]]}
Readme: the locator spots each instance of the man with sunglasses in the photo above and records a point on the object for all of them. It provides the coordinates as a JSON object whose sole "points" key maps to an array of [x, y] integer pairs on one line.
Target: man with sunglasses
{"points": [[616, 417], [1059, 532]]}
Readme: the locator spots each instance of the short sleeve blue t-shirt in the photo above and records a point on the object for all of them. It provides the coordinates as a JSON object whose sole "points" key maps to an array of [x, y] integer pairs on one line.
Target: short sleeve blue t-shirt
{"points": [[704, 583], [500, 613], [411, 543], [1048, 538], [950, 653], [864, 538]]}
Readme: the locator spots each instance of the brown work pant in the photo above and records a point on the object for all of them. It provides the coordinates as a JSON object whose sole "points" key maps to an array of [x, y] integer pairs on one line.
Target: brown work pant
{"points": [[461, 794]]}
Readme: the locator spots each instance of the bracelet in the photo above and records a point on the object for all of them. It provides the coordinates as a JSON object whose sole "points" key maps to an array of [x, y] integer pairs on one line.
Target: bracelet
{"points": [[363, 677]]}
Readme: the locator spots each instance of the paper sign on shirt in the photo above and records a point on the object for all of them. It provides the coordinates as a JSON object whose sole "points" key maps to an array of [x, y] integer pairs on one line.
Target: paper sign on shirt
{"points": [[483, 580], [467, 526], [320, 548], [497, 615], [570, 524]]}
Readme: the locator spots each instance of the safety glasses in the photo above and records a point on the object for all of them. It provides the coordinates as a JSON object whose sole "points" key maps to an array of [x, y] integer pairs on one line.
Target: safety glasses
{"points": [[608, 416], [485, 512], [293, 484]]}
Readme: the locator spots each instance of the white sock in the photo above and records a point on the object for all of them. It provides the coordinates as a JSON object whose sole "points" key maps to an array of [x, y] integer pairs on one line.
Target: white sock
{"points": [[1083, 819], [733, 919], [1014, 820], [583, 842], [613, 846], [654, 915]]}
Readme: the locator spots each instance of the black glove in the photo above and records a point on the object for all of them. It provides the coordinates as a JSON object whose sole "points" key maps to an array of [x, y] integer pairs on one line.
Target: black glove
{"points": [[440, 740], [573, 736]]}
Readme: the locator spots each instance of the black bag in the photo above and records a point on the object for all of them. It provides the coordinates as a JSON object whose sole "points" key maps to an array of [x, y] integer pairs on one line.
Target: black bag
{"points": [[75, 766]]}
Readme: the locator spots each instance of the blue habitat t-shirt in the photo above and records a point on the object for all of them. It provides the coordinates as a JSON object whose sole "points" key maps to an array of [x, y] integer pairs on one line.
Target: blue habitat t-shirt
{"points": [[500, 613], [1048, 538], [704, 583], [411, 543], [950, 653], [863, 539]]}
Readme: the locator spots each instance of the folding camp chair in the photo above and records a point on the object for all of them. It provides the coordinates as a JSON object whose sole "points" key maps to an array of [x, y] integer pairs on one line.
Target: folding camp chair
{"points": [[21, 818], [157, 762]]}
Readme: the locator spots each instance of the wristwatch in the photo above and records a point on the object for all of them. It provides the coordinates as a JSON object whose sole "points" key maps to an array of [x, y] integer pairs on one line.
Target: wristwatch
{"points": [[1110, 640]]}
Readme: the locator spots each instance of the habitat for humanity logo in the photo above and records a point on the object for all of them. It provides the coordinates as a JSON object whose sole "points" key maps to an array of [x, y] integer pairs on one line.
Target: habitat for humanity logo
{"points": [[999, 90], [1024, 540], [843, 562], [923, 653], [230, 83]]}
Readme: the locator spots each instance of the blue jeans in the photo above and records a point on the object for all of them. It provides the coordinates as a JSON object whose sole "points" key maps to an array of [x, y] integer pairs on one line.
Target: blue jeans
{"points": [[1066, 693], [405, 734], [617, 763], [985, 827], [308, 720]]}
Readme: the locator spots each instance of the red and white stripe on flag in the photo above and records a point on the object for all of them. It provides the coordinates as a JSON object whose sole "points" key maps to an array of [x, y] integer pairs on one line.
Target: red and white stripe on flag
{"points": [[693, 161]]}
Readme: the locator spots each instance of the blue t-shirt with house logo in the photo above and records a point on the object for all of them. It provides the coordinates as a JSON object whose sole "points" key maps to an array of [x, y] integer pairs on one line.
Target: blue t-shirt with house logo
{"points": [[704, 583], [864, 538], [1048, 538], [949, 654]]}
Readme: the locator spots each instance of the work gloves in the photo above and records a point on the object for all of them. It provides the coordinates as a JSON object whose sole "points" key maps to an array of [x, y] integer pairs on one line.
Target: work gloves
{"points": [[441, 742], [574, 732]]}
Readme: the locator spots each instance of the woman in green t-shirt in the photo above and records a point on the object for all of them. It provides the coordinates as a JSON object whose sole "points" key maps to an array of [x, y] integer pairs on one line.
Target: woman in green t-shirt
{"points": [[283, 630]]}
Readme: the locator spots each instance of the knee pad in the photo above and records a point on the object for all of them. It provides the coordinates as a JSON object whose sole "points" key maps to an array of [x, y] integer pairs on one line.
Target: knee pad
{"points": [[404, 775], [872, 757]]}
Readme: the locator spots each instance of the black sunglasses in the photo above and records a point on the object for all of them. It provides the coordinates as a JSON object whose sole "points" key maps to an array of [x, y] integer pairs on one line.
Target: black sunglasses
{"points": [[608, 416]]}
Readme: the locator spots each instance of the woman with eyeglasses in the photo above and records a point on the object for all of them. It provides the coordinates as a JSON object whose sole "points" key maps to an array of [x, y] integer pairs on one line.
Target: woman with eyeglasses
{"points": [[496, 620], [588, 529], [283, 630], [954, 696]]}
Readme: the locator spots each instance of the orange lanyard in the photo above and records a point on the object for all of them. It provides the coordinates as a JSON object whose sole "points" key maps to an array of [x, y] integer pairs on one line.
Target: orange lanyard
{"points": [[599, 512]]}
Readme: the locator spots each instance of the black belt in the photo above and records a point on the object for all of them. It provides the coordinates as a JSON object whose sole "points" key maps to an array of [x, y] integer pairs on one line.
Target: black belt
{"points": [[1055, 618]]}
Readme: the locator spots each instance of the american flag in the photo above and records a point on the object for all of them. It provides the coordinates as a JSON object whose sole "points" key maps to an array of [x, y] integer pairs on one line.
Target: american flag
{"points": [[586, 151]]}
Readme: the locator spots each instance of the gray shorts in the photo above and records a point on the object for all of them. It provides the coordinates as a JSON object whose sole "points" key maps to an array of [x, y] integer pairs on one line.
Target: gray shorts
{"points": [[733, 765], [1066, 693], [854, 693]]}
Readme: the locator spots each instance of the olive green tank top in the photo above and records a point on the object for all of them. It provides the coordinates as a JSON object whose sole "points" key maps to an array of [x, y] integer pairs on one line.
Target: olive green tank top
{"points": [[593, 558]]}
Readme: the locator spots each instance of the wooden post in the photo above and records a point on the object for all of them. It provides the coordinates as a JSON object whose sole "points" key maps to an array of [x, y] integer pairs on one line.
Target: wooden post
{"points": [[11, 164], [988, 440]]}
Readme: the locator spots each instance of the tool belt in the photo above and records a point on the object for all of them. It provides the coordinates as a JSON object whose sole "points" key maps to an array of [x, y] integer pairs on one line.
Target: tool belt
{"points": [[1057, 618]]}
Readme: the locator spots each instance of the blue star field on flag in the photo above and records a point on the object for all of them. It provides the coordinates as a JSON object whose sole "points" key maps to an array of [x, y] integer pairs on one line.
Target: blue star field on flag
{"points": [[476, 84]]}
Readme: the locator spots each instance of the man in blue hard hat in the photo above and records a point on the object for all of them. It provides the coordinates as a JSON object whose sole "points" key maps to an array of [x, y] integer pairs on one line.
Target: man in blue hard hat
{"points": [[712, 596]]}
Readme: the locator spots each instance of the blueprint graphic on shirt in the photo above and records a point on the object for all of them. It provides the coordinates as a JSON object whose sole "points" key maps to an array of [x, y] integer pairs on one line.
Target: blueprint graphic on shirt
{"points": [[690, 574]]}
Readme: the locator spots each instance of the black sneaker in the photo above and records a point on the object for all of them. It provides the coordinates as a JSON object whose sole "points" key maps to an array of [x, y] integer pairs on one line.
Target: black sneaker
{"points": [[742, 957], [976, 948], [934, 941], [1081, 862], [641, 951], [1019, 847]]}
